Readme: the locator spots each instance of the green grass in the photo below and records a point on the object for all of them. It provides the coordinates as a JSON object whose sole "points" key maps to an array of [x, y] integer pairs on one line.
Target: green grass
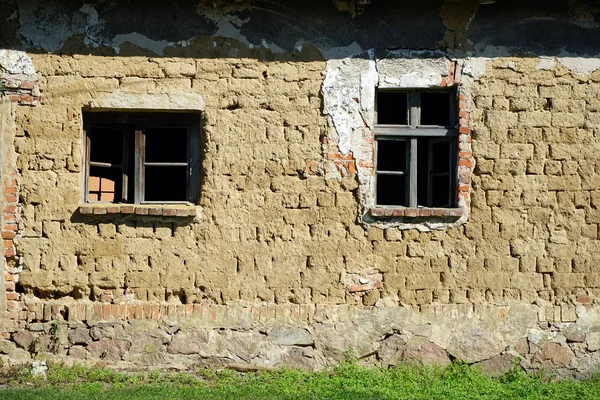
{"points": [[348, 381]]}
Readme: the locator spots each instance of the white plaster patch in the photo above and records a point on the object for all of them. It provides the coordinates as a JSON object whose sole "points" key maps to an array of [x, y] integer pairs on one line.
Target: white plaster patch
{"points": [[342, 96], [546, 63], [16, 62], [149, 101], [349, 91], [412, 69], [475, 66], [581, 66], [142, 41]]}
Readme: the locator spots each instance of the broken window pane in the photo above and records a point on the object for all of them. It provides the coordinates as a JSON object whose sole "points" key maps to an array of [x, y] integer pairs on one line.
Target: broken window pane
{"points": [[391, 155], [440, 191], [106, 145], [435, 108], [165, 183], [392, 108], [166, 145], [440, 156], [391, 190]]}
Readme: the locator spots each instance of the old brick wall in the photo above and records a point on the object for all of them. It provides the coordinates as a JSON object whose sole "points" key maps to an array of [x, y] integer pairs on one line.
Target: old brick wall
{"points": [[284, 261], [271, 227]]}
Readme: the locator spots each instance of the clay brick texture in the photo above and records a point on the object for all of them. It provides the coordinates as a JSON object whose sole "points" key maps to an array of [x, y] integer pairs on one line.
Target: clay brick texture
{"points": [[270, 227]]}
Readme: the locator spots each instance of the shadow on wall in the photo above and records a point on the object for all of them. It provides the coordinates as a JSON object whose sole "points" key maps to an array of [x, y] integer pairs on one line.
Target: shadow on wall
{"points": [[303, 31]]}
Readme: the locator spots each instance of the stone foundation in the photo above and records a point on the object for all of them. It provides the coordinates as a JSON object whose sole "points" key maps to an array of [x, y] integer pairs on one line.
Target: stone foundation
{"points": [[496, 338]]}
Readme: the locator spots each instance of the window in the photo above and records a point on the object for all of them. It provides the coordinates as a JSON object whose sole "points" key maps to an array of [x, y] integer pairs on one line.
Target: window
{"points": [[142, 157], [415, 137]]}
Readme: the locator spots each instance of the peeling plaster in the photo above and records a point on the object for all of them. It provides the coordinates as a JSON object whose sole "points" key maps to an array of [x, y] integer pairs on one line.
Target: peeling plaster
{"points": [[349, 97], [475, 66], [142, 41], [412, 69], [16, 62], [48, 25], [581, 66], [546, 63]]}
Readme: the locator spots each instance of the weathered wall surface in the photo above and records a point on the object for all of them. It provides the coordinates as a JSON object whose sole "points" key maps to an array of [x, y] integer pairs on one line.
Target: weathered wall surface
{"points": [[283, 219]]}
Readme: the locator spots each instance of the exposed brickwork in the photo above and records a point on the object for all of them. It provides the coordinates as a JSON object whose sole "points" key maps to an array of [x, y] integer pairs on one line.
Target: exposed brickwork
{"points": [[20, 89], [159, 211], [415, 212]]}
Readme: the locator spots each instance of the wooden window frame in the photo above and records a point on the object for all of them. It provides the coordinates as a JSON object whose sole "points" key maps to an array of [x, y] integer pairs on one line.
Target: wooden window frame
{"points": [[411, 133], [136, 123]]}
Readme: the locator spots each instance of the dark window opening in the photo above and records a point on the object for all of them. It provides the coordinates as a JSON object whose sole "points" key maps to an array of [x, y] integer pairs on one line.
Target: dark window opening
{"points": [[391, 155], [391, 190], [166, 144], [142, 157], [416, 167], [165, 183], [435, 109], [392, 108]]}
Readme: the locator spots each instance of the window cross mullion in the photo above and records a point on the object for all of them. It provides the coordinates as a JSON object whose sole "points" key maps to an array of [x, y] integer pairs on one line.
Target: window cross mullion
{"points": [[413, 173], [140, 156]]}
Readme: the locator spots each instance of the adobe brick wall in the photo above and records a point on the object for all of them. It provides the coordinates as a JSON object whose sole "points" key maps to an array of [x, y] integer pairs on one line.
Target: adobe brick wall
{"points": [[280, 223]]}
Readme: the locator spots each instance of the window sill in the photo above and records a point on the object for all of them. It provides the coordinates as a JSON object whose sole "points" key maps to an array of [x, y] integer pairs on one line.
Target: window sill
{"points": [[419, 212], [158, 210]]}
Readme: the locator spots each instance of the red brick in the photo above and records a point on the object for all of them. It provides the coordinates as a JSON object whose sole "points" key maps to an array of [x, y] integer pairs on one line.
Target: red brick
{"points": [[26, 98], [99, 210], [377, 212], [113, 210], [464, 162], [426, 212], [9, 209], [169, 212], [398, 212], [27, 85], [8, 234], [182, 212], [11, 227], [106, 311], [411, 212], [127, 209], [12, 296], [9, 252], [465, 130], [10, 190], [98, 311], [141, 210], [155, 211], [584, 299], [86, 210]]}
